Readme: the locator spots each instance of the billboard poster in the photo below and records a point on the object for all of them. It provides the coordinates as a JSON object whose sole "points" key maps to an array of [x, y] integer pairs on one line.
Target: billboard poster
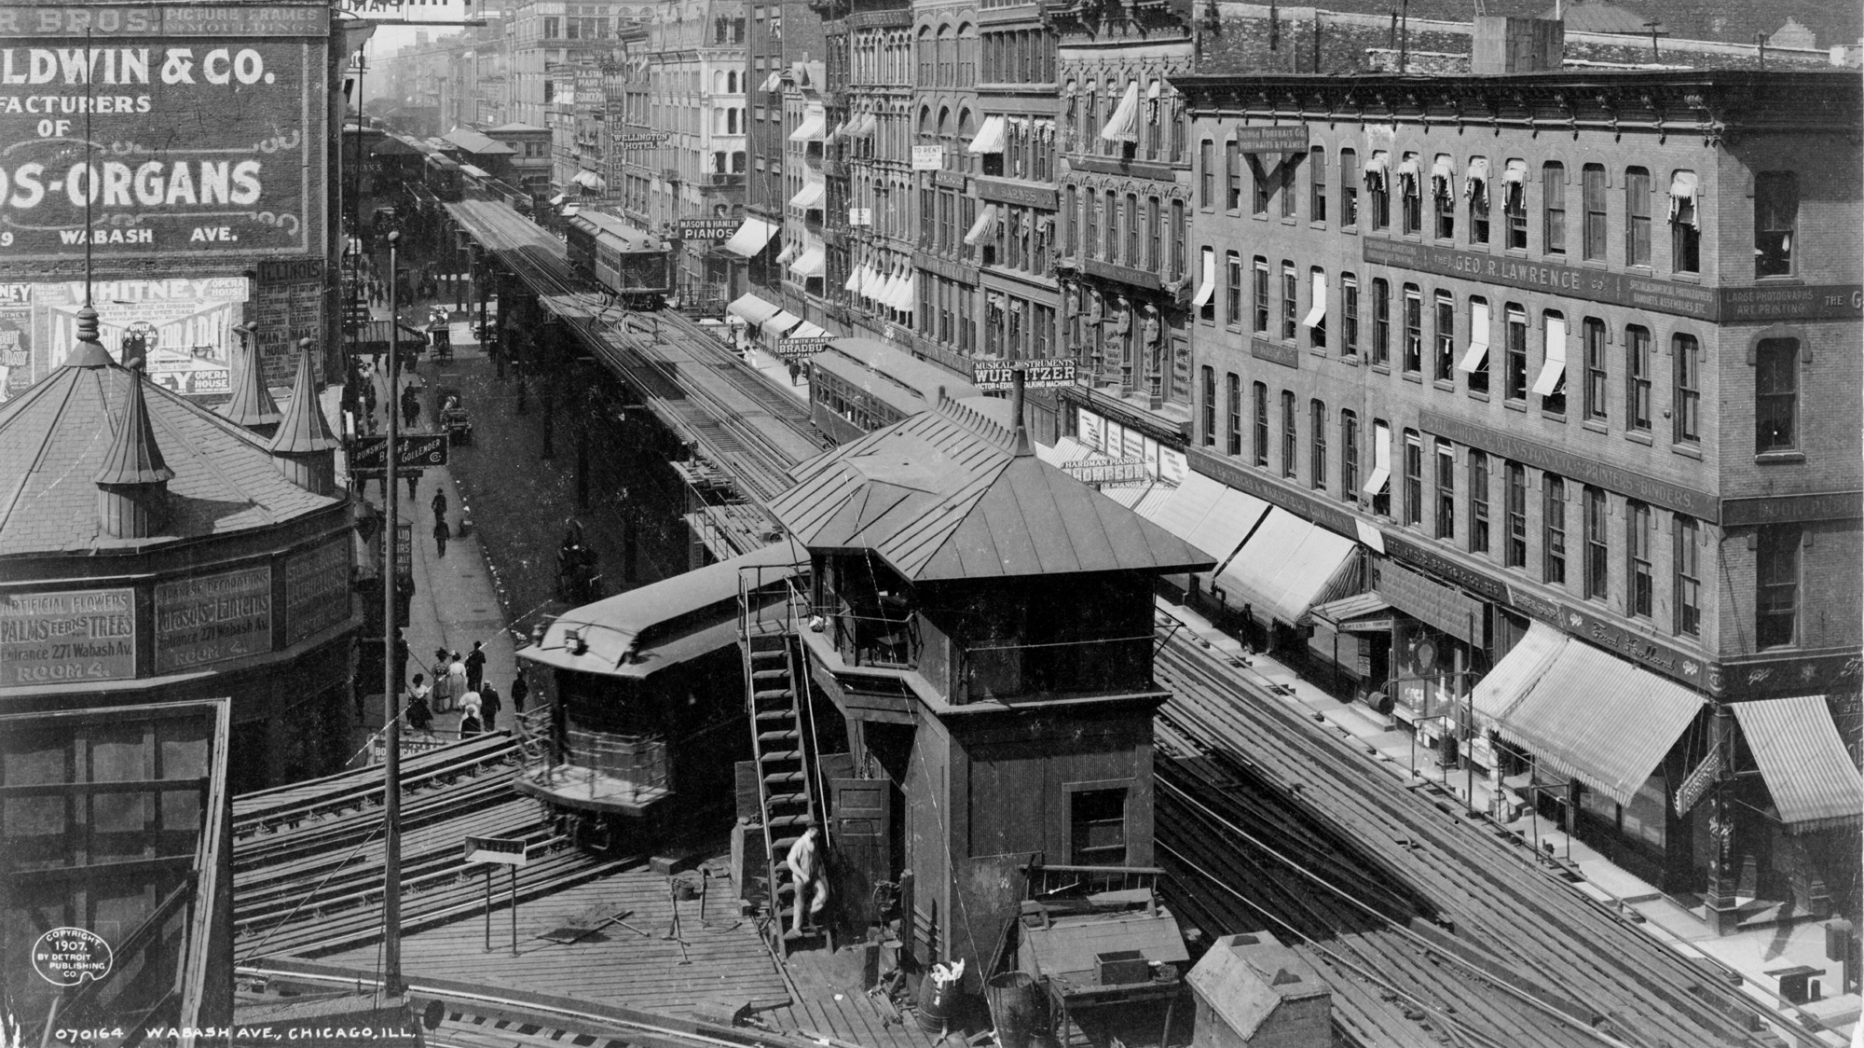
{"points": [[66, 636], [212, 618], [208, 146], [186, 326], [15, 339]]}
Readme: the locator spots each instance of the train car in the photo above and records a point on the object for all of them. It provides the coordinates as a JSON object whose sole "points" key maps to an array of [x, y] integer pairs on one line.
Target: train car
{"points": [[634, 265], [644, 711], [444, 178], [857, 385]]}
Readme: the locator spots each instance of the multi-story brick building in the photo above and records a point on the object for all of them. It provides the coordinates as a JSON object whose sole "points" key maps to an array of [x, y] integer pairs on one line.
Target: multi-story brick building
{"points": [[1574, 357]]}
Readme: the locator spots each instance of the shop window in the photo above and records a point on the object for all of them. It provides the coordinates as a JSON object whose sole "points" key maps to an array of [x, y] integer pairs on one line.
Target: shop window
{"points": [[1776, 395], [1776, 605], [1478, 501], [1686, 567], [1097, 827], [1776, 214]]}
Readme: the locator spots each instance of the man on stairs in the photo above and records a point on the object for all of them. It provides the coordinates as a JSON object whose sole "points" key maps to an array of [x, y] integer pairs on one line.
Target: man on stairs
{"points": [[805, 863]]}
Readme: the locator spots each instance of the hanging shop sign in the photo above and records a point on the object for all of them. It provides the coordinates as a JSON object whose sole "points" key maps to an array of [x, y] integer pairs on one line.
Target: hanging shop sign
{"points": [[212, 618], [800, 348], [69, 636], [708, 228], [369, 455], [1049, 375], [1122, 471], [928, 158], [1280, 138], [206, 147]]}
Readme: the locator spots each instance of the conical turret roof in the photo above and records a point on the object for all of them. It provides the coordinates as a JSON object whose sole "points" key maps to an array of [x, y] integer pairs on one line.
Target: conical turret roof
{"points": [[133, 456], [89, 352], [252, 404], [304, 429]]}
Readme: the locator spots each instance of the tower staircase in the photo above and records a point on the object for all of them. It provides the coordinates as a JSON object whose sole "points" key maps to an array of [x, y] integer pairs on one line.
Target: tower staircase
{"points": [[776, 687]]}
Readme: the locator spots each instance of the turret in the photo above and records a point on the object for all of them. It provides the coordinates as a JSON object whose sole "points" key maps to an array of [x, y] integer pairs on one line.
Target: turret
{"points": [[252, 406], [304, 449]]}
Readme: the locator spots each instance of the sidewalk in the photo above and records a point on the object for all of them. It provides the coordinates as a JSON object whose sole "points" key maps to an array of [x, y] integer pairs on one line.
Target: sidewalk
{"points": [[1762, 943]]}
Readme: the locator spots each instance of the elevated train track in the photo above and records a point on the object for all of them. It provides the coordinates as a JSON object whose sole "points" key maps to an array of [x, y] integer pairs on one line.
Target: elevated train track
{"points": [[691, 383], [1419, 910]]}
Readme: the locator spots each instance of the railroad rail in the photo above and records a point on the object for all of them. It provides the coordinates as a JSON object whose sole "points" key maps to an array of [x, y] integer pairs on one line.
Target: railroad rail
{"points": [[1429, 918], [694, 386], [477, 1016]]}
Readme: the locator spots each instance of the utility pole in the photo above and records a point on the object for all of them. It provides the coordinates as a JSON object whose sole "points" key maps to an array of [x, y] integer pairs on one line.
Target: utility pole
{"points": [[391, 715]]}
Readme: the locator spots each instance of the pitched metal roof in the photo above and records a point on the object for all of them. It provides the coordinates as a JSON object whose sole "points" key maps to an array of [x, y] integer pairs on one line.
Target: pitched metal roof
{"points": [[304, 429], [1803, 760], [474, 142], [56, 437], [941, 495], [252, 403], [134, 457]]}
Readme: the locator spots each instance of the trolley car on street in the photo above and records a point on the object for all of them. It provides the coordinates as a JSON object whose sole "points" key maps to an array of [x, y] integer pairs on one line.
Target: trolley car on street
{"points": [[632, 265]]}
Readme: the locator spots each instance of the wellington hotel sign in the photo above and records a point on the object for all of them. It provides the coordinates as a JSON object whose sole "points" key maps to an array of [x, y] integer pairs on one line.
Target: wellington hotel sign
{"points": [[1727, 305]]}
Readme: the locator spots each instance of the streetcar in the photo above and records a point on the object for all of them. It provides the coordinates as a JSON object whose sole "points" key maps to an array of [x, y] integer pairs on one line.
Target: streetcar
{"points": [[857, 385], [628, 263], [443, 177], [643, 713]]}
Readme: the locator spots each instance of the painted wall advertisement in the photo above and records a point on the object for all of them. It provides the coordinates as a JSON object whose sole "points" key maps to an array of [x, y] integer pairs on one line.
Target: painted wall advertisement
{"points": [[186, 326], [208, 139], [15, 339], [317, 589], [212, 618], [69, 636]]}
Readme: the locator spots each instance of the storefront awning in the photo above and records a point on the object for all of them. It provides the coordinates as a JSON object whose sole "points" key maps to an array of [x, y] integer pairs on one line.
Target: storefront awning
{"points": [[558, 199], [779, 325], [1518, 671], [807, 330], [985, 228], [1478, 339], [1283, 568], [1600, 720], [810, 196], [588, 180], [1802, 758], [1339, 614], [751, 237], [1555, 368], [864, 280], [1407, 176], [809, 265], [1210, 515], [811, 128], [1123, 125], [989, 137], [752, 310], [570, 211]]}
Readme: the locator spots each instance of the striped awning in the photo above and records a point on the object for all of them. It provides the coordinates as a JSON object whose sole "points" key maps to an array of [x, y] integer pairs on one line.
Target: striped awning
{"points": [[1282, 569], [812, 127], [1601, 720], [751, 237], [1123, 125], [779, 325], [863, 124], [985, 227], [1802, 758], [1210, 515], [809, 264], [905, 293], [989, 138], [810, 195], [752, 310], [1517, 672]]}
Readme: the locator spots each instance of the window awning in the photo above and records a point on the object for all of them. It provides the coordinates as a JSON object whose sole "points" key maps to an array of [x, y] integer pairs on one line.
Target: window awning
{"points": [[1478, 338], [1802, 759], [1338, 613], [811, 128], [810, 264], [862, 124], [854, 280], [773, 81], [1443, 177], [571, 211], [1211, 515], [989, 137], [1281, 571], [777, 325], [1377, 170], [985, 228], [1381, 461], [789, 251], [751, 237], [836, 135], [1123, 125], [905, 292], [1318, 314], [1555, 368], [1517, 672], [810, 196], [1209, 285], [1514, 178], [558, 199], [589, 180], [1476, 181], [1600, 719], [866, 276], [882, 290], [751, 309], [1683, 189], [1407, 176]]}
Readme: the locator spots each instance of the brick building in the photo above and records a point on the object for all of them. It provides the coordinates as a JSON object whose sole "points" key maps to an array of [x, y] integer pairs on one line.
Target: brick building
{"points": [[1573, 356]]}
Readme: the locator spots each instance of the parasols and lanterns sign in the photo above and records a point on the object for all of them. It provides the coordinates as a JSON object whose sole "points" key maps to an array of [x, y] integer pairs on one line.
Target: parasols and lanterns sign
{"points": [[204, 136]]}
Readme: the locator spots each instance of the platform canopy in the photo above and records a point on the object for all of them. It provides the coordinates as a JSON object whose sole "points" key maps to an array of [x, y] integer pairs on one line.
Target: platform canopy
{"points": [[951, 493]]}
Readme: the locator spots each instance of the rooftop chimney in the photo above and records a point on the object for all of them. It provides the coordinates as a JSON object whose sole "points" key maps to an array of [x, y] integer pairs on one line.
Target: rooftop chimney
{"points": [[1019, 443], [132, 485], [252, 405], [304, 449]]}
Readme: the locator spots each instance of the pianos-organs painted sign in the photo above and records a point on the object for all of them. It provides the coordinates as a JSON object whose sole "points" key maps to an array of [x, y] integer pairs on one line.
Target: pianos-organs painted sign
{"points": [[199, 144], [67, 636]]}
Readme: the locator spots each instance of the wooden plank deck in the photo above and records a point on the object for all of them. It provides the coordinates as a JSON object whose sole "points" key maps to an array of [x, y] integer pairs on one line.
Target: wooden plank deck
{"points": [[614, 965]]}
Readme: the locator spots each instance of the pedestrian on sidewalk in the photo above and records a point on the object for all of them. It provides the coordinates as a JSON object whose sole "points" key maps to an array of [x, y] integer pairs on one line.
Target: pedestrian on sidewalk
{"points": [[489, 702], [470, 724], [440, 505], [475, 665], [410, 406], [519, 689], [456, 676], [440, 536], [420, 715], [443, 693], [414, 483]]}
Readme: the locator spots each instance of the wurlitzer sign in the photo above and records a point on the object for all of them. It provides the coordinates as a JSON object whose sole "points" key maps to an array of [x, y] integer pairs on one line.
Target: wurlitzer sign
{"points": [[1035, 376], [186, 130]]}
